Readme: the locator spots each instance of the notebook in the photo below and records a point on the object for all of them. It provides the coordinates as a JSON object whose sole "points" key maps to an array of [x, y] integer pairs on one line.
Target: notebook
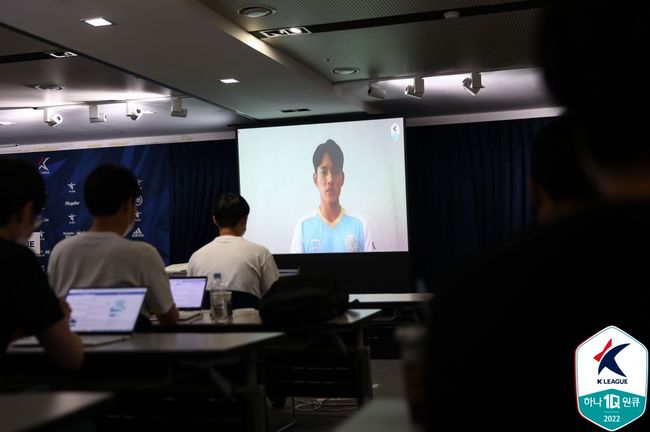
{"points": [[101, 315], [188, 295]]}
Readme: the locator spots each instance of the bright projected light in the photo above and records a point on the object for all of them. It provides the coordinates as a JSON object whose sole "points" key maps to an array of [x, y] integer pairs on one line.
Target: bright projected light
{"points": [[327, 187]]}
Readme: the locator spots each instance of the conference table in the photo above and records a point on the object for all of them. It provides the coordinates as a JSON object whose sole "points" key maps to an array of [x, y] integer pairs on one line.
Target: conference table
{"points": [[41, 410], [389, 300], [398, 310], [328, 359], [160, 364], [381, 415]]}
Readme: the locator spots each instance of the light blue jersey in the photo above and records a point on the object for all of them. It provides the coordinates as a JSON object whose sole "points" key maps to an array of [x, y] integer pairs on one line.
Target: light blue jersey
{"points": [[314, 234]]}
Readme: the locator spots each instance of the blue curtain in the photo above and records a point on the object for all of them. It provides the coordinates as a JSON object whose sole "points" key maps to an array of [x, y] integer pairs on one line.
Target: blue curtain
{"points": [[199, 172], [466, 190]]}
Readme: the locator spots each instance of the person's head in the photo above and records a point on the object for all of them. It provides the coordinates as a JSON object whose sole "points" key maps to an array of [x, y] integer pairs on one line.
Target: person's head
{"points": [[328, 171], [230, 211], [558, 183], [592, 64], [110, 192], [22, 197]]}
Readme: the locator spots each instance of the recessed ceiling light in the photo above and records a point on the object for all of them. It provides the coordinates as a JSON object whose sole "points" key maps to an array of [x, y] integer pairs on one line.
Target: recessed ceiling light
{"points": [[345, 70], [256, 11], [47, 87], [6, 123], [97, 22], [452, 14], [229, 81], [62, 54], [289, 31]]}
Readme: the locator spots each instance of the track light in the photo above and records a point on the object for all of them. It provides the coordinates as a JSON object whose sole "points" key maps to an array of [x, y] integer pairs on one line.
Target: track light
{"points": [[52, 119], [177, 108], [376, 91], [133, 112], [417, 89], [473, 84], [94, 115]]}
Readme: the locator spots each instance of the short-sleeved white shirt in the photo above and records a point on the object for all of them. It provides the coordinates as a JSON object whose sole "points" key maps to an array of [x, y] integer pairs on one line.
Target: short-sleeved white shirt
{"points": [[104, 259], [244, 266]]}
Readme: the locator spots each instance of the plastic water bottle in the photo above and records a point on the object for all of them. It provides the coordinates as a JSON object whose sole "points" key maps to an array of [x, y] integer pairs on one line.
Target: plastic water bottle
{"points": [[218, 305]]}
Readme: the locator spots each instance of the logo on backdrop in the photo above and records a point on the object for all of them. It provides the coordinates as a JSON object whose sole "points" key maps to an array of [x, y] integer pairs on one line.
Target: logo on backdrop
{"points": [[42, 165], [72, 218], [137, 233], [138, 201], [394, 131], [71, 203], [611, 378], [71, 188], [140, 184], [137, 216]]}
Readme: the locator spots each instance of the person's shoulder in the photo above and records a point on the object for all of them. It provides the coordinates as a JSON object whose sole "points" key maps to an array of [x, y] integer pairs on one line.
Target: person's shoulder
{"points": [[311, 215], [68, 242], [256, 246], [141, 247], [202, 251], [353, 216]]}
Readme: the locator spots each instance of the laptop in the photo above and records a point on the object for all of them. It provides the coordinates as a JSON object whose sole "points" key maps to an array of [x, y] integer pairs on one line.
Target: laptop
{"points": [[101, 315], [188, 295]]}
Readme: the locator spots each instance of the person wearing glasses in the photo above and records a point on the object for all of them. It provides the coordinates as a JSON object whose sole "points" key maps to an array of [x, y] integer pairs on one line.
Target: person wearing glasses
{"points": [[29, 304]]}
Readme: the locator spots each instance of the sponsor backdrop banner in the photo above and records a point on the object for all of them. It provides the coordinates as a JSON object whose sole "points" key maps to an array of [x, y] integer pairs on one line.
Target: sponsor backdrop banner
{"points": [[65, 214]]}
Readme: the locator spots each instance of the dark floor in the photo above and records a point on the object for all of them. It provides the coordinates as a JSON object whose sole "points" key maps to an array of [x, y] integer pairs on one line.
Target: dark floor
{"points": [[326, 415]]}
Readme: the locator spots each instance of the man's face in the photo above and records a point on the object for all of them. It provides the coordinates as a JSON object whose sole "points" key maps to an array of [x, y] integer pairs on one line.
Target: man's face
{"points": [[328, 180]]}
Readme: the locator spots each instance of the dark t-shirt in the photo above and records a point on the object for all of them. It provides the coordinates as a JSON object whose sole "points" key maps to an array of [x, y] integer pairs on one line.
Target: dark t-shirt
{"points": [[26, 300], [505, 329]]}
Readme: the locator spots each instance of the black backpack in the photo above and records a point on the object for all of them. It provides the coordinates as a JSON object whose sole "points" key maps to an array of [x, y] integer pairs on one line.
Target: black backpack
{"points": [[303, 300]]}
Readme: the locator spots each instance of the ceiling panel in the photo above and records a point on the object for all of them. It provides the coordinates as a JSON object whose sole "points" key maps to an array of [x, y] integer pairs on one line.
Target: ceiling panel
{"points": [[15, 43], [305, 12], [499, 41]]}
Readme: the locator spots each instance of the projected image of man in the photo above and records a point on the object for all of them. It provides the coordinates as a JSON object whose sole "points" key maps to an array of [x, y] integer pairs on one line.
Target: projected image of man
{"points": [[330, 228]]}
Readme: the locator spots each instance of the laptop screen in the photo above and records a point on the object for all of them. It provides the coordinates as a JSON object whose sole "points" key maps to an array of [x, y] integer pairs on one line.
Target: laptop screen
{"points": [[105, 310], [188, 291]]}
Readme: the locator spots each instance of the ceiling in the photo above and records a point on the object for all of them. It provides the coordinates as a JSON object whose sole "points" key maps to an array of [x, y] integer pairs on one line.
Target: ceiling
{"points": [[159, 49]]}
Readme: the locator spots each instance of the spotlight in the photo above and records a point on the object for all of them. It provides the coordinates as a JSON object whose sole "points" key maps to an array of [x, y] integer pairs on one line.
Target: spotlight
{"points": [[94, 115], [52, 119], [417, 89], [473, 84], [177, 108], [376, 91], [132, 112]]}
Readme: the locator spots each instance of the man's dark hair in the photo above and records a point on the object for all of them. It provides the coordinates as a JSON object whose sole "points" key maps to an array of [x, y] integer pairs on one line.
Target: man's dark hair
{"points": [[20, 183], [108, 187], [593, 66], [229, 209], [556, 163], [332, 149]]}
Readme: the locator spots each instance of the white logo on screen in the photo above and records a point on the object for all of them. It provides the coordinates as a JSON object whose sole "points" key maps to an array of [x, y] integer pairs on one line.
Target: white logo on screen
{"points": [[351, 243], [138, 201], [314, 246], [137, 216], [394, 131], [137, 233], [71, 187], [71, 218]]}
